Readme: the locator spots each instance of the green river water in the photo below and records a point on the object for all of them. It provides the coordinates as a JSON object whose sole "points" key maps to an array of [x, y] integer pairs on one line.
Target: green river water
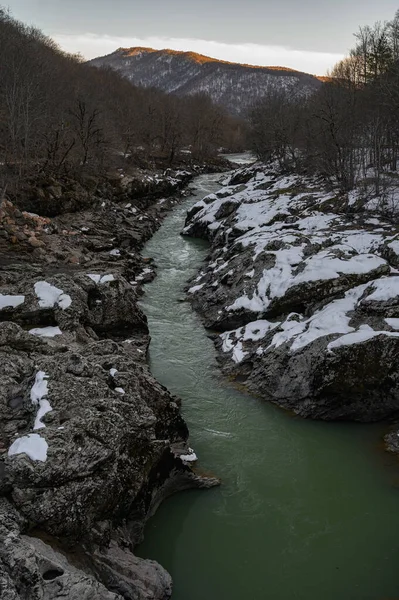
{"points": [[306, 510]]}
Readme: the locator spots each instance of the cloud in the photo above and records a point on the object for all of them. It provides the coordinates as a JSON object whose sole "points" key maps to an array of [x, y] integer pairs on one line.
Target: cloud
{"points": [[91, 45]]}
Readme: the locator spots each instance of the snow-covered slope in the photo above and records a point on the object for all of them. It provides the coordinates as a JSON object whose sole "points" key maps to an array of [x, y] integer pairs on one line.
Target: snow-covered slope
{"points": [[234, 85], [303, 292]]}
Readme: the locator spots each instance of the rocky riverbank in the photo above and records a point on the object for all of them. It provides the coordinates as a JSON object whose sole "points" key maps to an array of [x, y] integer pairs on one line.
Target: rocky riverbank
{"points": [[302, 288], [90, 443]]}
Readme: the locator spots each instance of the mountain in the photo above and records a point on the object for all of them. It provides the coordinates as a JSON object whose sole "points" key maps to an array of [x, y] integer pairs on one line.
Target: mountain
{"points": [[233, 85]]}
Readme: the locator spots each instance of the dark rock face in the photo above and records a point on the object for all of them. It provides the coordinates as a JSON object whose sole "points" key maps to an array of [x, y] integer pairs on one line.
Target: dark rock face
{"points": [[233, 85], [31, 569], [89, 441], [349, 385], [50, 197], [303, 294]]}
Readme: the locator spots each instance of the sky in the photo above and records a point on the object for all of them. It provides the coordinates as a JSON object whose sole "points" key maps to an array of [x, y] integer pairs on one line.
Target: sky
{"points": [[309, 35]]}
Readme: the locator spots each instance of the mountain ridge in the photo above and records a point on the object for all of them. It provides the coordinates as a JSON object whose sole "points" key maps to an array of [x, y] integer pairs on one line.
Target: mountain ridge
{"points": [[204, 58], [236, 86]]}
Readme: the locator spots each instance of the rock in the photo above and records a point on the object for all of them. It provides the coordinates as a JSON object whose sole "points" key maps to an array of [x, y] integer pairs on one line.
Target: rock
{"points": [[109, 457], [358, 382], [132, 577], [35, 243], [79, 480], [303, 294], [392, 442], [55, 191], [32, 570], [39, 254]]}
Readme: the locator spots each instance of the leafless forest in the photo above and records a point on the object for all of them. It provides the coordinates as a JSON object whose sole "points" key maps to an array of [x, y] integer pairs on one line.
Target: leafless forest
{"points": [[348, 130], [62, 117]]}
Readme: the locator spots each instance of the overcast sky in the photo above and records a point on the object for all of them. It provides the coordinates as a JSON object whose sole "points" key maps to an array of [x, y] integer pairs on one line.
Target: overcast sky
{"points": [[310, 35]]}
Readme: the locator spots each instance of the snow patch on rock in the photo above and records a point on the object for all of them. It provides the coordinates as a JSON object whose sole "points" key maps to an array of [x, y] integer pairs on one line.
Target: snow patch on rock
{"points": [[50, 296], [7, 301], [47, 332], [100, 279], [33, 445]]}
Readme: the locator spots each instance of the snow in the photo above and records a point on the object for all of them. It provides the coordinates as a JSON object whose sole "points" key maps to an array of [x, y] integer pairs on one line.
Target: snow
{"points": [[288, 330], [317, 221], [221, 267], [394, 323], [277, 280], [373, 222], [334, 318], [394, 246], [228, 344], [257, 330], [252, 331], [362, 241], [7, 301], [38, 395], [262, 213], [187, 458], [254, 304], [46, 331], [386, 288], [273, 283], [39, 389], [238, 353], [303, 246], [100, 279], [363, 334], [33, 445], [44, 408], [49, 296], [331, 319], [195, 288], [325, 265]]}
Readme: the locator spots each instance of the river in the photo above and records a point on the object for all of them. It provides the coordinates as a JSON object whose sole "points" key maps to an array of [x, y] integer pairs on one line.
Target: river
{"points": [[306, 510]]}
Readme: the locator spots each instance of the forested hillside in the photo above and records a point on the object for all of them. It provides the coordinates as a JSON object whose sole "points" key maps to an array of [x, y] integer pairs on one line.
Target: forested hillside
{"points": [[231, 85], [348, 131], [59, 115]]}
